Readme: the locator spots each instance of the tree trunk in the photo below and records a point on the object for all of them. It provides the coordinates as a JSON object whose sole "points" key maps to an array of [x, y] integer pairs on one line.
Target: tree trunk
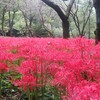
{"points": [[13, 17], [97, 8], [65, 26], [3, 19], [11, 21], [63, 17], [10, 32]]}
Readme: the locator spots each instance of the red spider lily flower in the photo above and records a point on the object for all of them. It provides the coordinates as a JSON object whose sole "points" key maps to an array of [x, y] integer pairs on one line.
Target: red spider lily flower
{"points": [[26, 82], [3, 68], [71, 65], [86, 91], [27, 67]]}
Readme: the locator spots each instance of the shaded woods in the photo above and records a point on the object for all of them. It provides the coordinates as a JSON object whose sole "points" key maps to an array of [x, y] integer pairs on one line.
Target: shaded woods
{"points": [[65, 18]]}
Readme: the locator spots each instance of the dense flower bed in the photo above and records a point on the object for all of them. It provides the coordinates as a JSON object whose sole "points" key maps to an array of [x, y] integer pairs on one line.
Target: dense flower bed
{"points": [[68, 69]]}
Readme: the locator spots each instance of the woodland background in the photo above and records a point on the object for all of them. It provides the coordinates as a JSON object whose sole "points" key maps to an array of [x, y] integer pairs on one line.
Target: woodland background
{"points": [[34, 18]]}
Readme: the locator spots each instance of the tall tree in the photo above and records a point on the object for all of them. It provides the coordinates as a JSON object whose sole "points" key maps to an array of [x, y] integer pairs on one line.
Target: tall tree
{"points": [[64, 17], [81, 13], [97, 8]]}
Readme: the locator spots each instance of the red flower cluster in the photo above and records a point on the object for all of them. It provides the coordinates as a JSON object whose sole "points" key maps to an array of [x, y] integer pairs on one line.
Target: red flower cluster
{"points": [[26, 82], [3, 68], [72, 65]]}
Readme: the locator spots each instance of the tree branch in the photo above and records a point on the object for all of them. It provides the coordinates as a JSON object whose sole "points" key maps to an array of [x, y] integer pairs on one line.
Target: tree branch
{"points": [[56, 8]]}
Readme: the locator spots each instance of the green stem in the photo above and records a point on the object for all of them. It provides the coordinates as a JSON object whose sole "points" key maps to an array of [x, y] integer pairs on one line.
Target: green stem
{"points": [[36, 92], [42, 81], [0, 84], [28, 93]]}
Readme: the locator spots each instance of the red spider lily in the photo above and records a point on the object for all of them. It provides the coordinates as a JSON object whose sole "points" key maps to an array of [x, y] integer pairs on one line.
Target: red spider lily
{"points": [[26, 82], [72, 65], [86, 91], [3, 68]]}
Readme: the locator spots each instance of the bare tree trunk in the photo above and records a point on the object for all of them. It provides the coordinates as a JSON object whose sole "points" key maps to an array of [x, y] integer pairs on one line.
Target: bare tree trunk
{"points": [[30, 21], [11, 21], [9, 14], [97, 8], [65, 26], [89, 36], [13, 17], [3, 19], [63, 17], [28, 24]]}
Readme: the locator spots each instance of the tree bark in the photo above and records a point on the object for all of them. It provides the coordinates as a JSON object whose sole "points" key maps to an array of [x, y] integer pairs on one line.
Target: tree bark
{"points": [[9, 14], [97, 8], [65, 26], [3, 20], [63, 17], [11, 21]]}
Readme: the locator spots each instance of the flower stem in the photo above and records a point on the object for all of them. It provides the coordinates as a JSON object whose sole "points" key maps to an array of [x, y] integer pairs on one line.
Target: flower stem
{"points": [[0, 84]]}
